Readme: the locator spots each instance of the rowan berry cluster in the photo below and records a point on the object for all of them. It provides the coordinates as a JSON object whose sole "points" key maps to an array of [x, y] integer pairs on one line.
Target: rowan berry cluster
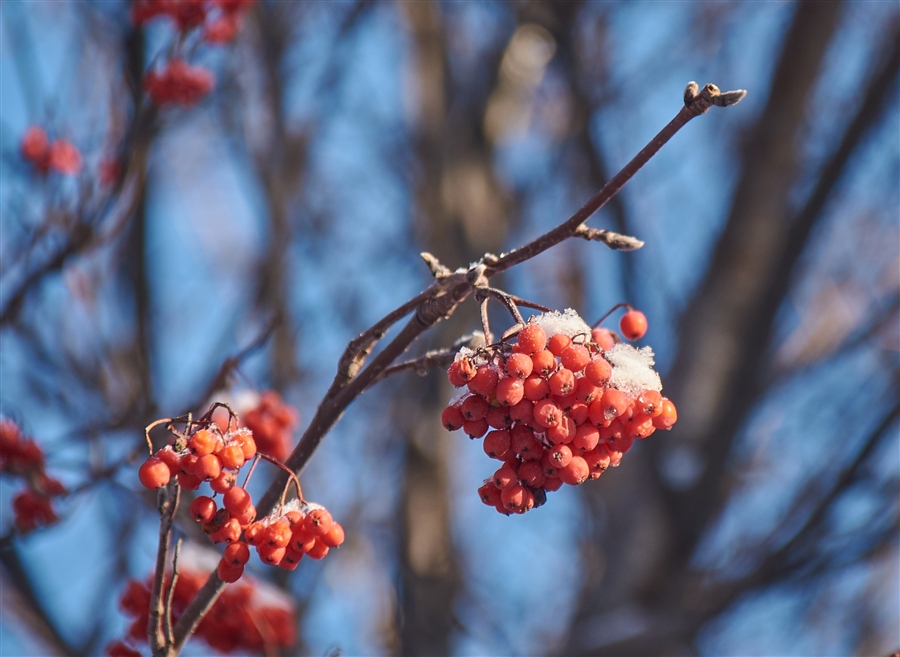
{"points": [[559, 406], [212, 451], [176, 82], [220, 20], [281, 539], [58, 155], [204, 454], [272, 422], [245, 619], [23, 457]]}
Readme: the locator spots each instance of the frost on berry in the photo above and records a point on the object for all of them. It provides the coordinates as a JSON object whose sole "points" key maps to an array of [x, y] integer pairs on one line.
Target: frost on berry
{"points": [[566, 402]]}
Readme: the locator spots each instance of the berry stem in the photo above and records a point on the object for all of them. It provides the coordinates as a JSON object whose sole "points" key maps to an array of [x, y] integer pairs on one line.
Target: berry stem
{"points": [[151, 426], [611, 311]]}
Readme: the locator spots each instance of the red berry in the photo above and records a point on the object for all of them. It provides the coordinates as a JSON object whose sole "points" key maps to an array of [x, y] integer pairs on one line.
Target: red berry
{"points": [[203, 509], [598, 371], [498, 418], [64, 157], [562, 382], [532, 339], [519, 366], [575, 472], [236, 554], [547, 413], [236, 500], [603, 338], [560, 456], [154, 473], [484, 381], [34, 145], [535, 388], [334, 537], [633, 325], [510, 391], [452, 418], [558, 343], [475, 428], [667, 416], [575, 357], [496, 444], [543, 363], [208, 467], [232, 457], [318, 522], [474, 407]]}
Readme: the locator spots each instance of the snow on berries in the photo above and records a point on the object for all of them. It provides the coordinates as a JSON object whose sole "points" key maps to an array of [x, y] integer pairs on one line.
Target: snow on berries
{"points": [[560, 405]]}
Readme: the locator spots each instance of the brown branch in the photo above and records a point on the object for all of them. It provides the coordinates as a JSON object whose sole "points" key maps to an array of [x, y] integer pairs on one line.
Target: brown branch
{"points": [[435, 358], [168, 505], [615, 241], [696, 103]]}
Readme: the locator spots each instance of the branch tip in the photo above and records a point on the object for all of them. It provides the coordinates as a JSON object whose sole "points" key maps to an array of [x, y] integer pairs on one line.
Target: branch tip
{"points": [[698, 100]]}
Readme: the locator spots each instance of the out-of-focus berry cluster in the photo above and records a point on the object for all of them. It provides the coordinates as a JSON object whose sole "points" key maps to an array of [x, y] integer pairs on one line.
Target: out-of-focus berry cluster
{"points": [[22, 457], [175, 81], [46, 155], [559, 406], [245, 618]]}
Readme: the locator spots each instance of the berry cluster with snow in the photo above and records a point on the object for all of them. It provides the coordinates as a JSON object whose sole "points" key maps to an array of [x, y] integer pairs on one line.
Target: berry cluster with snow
{"points": [[559, 406]]}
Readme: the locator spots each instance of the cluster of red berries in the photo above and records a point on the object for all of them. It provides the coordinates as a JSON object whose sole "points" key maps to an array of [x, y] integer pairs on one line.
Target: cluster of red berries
{"points": [[23, 457], [300, 528], [178, 83], [207, 454], [59, 155], [272, 422], [213, 454], [562, 404], [243, 619], [220, 19]]}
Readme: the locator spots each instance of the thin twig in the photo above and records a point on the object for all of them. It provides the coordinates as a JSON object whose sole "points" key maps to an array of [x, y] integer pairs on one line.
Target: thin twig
{"points": [[695, 104], [168, 504], [615, 241], [171, 595]]}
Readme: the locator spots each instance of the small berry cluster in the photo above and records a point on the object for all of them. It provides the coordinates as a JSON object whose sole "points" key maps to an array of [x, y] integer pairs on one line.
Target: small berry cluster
{"points": [[220, 19], [205, 454], [244, 618], [177, 82], [272, 422], [209, 452], [22, 457], [300, 528], [565, 402], [59, 155]]}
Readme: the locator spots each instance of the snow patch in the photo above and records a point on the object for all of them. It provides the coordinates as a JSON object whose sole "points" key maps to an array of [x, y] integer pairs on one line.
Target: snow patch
{"points": [[568, 322], [632, 371]]}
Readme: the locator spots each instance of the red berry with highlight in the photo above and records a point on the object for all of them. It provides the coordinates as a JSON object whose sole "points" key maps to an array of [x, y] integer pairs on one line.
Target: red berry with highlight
{"points": [[633, 325]]}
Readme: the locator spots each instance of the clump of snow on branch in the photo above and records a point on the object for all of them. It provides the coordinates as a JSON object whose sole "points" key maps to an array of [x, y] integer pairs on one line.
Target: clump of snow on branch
{"points": [[632, 370]]}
